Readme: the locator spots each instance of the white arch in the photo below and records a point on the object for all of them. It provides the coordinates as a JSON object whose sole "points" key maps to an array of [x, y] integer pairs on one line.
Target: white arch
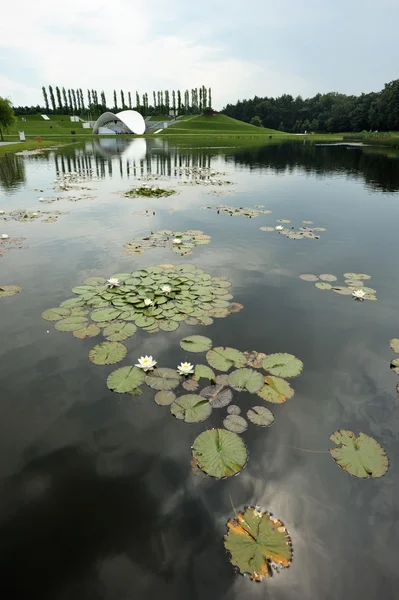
{"points": [[131, 120]]}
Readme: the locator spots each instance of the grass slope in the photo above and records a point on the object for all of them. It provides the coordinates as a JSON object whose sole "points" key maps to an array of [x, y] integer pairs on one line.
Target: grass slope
{"points": [[215, 125], [34, 125]]}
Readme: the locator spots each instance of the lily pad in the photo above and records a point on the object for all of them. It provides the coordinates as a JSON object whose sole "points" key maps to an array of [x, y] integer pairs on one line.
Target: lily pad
{"points": [[107, 353], [190, 384], [327, 277], [219, 453], [9, 290], [308, 277], [163, 379], [222, 359], [395, 365], [56, 314], [246, 379], [218, 395], [204, 372], [196, 343], [361, 276], [282, 365], [344, 291], [87, 332], [71, 323], [361, 456], [394, 343], [256, 541], [125, 379], [105, 314], [235, 423], [119, 331], [276, 390], [191, 408], [323, 286], [254, 359], [165, 398], [95, 281], [260, 415], [233, 409]]}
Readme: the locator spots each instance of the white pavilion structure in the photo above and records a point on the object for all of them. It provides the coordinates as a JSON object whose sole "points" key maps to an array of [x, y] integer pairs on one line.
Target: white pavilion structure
{"points": [[126, 121]]}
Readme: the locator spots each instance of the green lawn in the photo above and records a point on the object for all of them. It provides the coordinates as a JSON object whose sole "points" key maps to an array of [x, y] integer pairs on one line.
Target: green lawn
{"points": [[35, 125], [215, 125], [30, 145]]}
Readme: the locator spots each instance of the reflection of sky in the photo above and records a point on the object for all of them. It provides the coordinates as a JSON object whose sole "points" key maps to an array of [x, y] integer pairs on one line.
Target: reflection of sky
{"points": [[53, 396]]}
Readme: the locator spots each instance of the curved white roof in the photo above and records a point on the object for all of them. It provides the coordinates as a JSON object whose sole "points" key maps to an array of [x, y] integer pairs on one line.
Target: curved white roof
{"points": [[131, 119]]}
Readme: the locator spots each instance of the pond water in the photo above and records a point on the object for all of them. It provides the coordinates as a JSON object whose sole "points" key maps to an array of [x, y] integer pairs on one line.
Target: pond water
{"points": [[98, 499]]}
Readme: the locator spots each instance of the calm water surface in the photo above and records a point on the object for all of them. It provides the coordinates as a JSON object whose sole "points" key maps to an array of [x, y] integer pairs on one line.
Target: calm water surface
{"points": [[97, 497]]}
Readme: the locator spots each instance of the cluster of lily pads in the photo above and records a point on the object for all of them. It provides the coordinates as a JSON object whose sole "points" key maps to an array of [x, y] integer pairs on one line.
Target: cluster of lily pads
{"points": [[72, 181], [146, 191], [179, 242], [154, 298], [26, 216], [354, 287], [8, 243], [304, 232], [9, 290], [242, 211]]}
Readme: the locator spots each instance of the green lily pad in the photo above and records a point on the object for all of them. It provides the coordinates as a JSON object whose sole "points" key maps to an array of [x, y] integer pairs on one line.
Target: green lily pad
{"points": [[222, 359], [233, 409], [196, 343], [394, 343], [107, 353], [191, 408], [395, 365], [168, 325], [308, 277], [204, 372], [361, 456], [260, 415], [190, 384], [55, 314], [218, 395], [163, 379], [255, 541], [235, 423], [282, 365], [125, 379], [105, 314], [344, 291], [266, 228], [87, 332], [71, 323], [361, 276], [219, 453], [246, 379], [327, 277], [119, 331], [165, 398], [9, 290], [276, 390], [323, 286], [95, 281]]}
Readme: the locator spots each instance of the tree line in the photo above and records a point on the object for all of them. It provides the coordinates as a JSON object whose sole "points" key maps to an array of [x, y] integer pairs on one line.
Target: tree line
{"points": [[61, 100], [332, 112]]}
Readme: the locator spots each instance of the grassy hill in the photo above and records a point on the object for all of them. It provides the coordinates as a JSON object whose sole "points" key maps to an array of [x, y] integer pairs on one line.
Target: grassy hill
{"points": [[35, 125], [215, 125]]}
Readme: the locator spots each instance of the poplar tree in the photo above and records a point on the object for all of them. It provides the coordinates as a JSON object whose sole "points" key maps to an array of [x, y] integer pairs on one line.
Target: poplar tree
{"points": [[52, 99], [45, 98]]}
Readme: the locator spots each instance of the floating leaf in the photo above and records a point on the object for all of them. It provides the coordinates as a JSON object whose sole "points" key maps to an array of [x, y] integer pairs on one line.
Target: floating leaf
{"points": [[356, 276], [223, 359], [95, 281], [344, 291], [87, 332], [190, 384], [323, 286], [219, 453], [56, 314], [308, 277], [163, 379], [255, 542], [360, 456], [203, 372], [168, 325], [222, 379], [107, 353], [71, 323], [266, 228], [165, 398], [196, 343], [218, 395], [125, 379], [9, 290], [254, 359], [260, 415], [246, 379], [235, 423], [395, 365], [117, 332], [191, 408], [394, 343], [233, 409], [105, 314], [327, 277], [276, 390], [282, 365]]}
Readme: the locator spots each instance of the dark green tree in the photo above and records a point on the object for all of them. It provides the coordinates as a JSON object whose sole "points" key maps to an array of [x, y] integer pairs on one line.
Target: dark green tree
{"points": [[64, 97], [137, 101], [7, 117], [70, 101], [103, 101], [174, 102], [167, 102], [210, 98], [256, 120], [89, 98], [129, 100], [123, 100], [178, 102], [75, 107], [45, 98], [78, 101], [115, 101], [82, 102], [155, 101], [204, 97], [52, 99]]}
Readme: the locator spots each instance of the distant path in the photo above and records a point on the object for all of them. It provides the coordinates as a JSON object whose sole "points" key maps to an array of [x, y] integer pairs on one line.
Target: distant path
{"points": [[7, 143]]}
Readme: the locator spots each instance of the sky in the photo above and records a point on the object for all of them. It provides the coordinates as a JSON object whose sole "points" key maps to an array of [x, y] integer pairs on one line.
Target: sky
{"points": [[239, 49]]}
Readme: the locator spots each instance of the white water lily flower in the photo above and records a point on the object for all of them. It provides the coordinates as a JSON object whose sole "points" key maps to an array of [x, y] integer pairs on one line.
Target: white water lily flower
{"points": [[185, 368], [359, 294], [147, 363], [4, 236], [1, 212], [34, 214], [148, 302], [279, 228], [166, 289], [113, 282], [177, 241]]}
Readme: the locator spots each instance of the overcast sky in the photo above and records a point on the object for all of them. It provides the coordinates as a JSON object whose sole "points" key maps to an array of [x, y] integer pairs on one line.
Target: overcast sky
{"points": [[239, 48]]}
